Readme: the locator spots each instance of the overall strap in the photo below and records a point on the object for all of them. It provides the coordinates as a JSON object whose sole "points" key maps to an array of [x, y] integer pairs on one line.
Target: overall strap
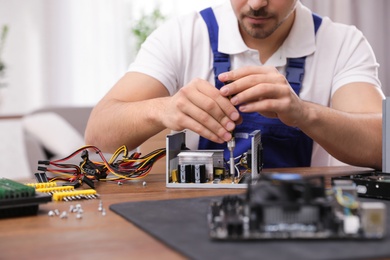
{"points": [[295, 68], [221, 60]]}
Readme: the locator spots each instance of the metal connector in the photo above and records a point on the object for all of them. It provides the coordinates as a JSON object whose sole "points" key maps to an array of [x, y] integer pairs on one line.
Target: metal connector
{"points": [[231, 145]]}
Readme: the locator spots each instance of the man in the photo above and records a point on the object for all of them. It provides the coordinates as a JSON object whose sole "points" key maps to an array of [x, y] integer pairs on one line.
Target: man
{"points": [[171, 85]]}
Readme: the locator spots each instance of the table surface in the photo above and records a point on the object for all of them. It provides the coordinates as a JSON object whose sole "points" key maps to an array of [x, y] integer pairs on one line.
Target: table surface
{"points": [[98, 236]]}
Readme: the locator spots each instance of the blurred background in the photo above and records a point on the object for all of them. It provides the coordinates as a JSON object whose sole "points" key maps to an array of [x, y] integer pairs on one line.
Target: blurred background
{"points": [[71, 52]]}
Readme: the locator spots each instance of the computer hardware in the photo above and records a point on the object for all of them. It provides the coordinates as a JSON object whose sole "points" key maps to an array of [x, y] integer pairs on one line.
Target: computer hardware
{"points": [[288, 206], [17, 199], [208, 168]]}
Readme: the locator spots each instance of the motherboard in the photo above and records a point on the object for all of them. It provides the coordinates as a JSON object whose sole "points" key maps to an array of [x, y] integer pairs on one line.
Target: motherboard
{"points": [[289, 206]]}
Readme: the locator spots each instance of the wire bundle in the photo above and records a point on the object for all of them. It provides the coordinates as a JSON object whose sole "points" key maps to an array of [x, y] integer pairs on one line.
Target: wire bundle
{"points": [[347, 201], [128, 167]]}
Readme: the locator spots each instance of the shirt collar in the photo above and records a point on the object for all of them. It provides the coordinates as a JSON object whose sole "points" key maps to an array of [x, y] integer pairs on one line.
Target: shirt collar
{"points": [[301, 40], [299, 43], [229, 39]]}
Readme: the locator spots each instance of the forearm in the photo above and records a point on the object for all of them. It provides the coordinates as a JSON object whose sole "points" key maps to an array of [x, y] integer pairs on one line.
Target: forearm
{"points": [[114, 123], [354, 138]]}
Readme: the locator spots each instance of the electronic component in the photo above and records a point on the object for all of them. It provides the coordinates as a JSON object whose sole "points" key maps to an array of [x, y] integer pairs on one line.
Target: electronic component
{"points": [[210, 159], [288, 206], [386, 135], [208, 168], [75, 195], [128, 167], [370, 184], [231, 145], [52, 190], [40, 185], [17, 199], [41, 177], [64, 192]]}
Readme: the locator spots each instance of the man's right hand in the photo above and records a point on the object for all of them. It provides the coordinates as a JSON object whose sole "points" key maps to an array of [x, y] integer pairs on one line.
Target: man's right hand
{"points": [[200, 107]]}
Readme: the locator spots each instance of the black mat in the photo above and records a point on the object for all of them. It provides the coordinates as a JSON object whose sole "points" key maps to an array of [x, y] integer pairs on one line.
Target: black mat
{"points": [[182, 225]]}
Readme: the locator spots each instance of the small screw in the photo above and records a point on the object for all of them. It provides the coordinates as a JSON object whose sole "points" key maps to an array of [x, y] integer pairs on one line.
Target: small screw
{"points": [[64, 215], [100, 208]]}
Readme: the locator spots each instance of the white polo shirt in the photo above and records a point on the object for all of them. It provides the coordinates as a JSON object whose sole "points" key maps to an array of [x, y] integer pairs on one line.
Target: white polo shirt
{"points": [[179, 51]]}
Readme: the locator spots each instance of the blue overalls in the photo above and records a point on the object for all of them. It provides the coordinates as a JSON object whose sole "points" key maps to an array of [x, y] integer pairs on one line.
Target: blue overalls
{"points": [[283, 146]]}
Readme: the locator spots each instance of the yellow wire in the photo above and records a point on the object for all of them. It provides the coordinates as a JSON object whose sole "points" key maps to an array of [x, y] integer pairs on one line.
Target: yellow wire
{"points": [[345, 200], [123, 149]]}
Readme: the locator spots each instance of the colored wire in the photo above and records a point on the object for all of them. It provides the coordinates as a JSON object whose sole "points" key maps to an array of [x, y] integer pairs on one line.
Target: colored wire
{"points": [[131, 167], [346, 200]]}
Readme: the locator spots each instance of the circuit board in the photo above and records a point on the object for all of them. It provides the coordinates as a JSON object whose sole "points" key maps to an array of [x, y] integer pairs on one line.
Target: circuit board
{"points": [[17, 199], [284, 206]]}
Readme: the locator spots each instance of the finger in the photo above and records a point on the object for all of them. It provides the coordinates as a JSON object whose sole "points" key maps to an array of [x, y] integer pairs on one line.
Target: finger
{"points": [[205, 125], [212, 102], [260, 92], [252, 81], [178, 118], [203, 110], [268, 106], [239, 73], [195, 126]]}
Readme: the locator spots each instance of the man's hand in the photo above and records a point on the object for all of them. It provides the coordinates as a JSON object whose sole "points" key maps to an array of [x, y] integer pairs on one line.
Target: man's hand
{"points": [[350, 130], [263, 90], [200, 107]]}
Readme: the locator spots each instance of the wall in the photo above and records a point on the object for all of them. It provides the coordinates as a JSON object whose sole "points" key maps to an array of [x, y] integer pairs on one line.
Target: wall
{"points": [[371, 17], [23, 54]]}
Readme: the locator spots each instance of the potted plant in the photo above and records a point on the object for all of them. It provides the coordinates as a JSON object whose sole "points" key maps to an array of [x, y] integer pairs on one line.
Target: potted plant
{"points": [[146, 25], [3, 36]]}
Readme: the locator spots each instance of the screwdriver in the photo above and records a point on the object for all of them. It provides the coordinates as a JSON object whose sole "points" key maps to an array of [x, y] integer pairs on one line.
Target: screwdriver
{"points": [[231, 145]]}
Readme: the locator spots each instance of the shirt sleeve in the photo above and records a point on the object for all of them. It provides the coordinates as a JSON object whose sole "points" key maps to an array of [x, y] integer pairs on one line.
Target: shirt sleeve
{"points": [[156, 56], [356, 61]]}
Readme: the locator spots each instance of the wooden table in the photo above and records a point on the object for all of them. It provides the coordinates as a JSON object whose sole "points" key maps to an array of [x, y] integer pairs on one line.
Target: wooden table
{"points": [[8, 117], [95, 236]]}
